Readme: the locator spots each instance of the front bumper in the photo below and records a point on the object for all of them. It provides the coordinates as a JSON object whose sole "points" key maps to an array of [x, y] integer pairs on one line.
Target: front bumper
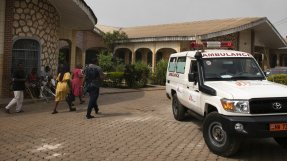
{"points": [[255, 126]]}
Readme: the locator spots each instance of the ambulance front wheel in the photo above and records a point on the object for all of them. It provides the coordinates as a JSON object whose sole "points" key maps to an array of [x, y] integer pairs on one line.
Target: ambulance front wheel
{"points": [[218, 140], [178, 109]]}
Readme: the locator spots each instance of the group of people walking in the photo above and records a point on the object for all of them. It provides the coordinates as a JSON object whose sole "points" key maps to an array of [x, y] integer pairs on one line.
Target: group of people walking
{"points": [[68, 86]]}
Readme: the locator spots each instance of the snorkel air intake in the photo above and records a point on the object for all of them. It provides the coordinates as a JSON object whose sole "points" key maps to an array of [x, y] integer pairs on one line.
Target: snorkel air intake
{"points": [[201, 86]]}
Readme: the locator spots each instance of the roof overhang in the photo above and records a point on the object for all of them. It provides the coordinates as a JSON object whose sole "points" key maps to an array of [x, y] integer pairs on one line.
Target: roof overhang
{"points": [[75, 14], [263, 29], [269, 36]]}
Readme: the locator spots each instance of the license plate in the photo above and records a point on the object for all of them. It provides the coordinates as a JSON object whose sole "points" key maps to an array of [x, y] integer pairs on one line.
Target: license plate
{"points": [[278, 127]]}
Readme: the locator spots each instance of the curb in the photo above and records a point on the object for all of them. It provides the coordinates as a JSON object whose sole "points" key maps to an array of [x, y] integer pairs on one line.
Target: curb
{"points": [[152, 88], [135, 90]]}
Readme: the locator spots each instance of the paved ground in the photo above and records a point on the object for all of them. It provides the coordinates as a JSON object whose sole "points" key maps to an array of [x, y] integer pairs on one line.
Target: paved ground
{"points": [[133, 126]]}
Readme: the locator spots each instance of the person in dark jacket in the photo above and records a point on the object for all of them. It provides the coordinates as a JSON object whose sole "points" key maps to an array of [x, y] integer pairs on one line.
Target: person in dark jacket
{"points": [[93, 81], [18, 85]]}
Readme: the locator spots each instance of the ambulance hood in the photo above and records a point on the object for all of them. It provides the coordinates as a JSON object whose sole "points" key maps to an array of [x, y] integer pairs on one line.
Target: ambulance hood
{"points": [[248, 89]]}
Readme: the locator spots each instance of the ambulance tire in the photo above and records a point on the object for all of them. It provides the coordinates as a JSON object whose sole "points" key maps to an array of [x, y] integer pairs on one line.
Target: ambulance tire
{"points": [[216, 138], [282, 141], [178, 109]]}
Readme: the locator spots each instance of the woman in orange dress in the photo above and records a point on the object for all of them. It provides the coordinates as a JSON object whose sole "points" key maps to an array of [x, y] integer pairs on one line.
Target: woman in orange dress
{"points": [[77, 82], [62, 89]]}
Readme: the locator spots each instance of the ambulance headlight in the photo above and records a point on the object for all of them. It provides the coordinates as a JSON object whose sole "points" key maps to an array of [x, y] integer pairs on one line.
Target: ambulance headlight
{"points": [[237, 106]]}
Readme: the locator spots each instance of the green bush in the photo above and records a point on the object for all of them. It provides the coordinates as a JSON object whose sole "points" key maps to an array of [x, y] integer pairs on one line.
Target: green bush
{"points": [[113, 79], [159, 75], [110, 64], [105, 61], [120, 67], [278, 78], [136, 75]]}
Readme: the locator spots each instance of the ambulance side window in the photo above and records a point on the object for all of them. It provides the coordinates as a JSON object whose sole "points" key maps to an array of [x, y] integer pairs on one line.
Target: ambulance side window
{"points": [[180, 65], [172, 64]]}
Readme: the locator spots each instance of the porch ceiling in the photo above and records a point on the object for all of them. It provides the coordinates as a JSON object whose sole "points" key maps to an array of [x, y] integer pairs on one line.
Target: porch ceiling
{"points": [[269, 36], [75, 14]]}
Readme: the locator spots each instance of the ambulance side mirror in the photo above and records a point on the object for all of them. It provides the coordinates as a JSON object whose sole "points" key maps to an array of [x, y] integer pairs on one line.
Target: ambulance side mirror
{"points": [[192, 77]]}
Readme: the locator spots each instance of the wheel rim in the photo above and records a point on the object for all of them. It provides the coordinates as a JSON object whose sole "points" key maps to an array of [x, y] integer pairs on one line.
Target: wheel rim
{"points": [[216, 134], [174, 106]]}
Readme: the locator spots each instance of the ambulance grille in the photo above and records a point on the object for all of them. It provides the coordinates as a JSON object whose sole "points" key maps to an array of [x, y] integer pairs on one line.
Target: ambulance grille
{"points": [[268, 105]]}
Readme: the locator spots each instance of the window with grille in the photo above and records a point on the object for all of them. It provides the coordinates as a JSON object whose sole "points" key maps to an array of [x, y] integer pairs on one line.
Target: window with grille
{"points": [[27, 52]]}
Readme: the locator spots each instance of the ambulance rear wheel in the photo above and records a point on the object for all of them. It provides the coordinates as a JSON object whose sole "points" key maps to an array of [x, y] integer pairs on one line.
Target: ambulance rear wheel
{"points": [[178, 109], [218, 140], [281, 141]]}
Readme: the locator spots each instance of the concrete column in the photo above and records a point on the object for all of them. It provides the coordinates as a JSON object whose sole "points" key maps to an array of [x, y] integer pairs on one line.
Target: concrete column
{"points": [[278, 60], [153, 60], [245, 41], [84, 58], [133, 57], [266, 62], [73, 50]]}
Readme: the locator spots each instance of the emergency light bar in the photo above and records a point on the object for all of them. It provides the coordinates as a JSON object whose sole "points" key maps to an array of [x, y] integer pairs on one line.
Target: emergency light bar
{"points": [[211, 44]]}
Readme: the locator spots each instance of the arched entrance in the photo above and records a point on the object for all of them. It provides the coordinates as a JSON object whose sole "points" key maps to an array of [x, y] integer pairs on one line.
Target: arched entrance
{"points": [[124, 55], [64, 52], [92, 53], [139, 56], [26, 51], [64, 56], [164, 53], [144, 55]]}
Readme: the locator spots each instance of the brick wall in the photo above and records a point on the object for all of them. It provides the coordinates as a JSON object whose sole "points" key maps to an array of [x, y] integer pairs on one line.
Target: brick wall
{"points": [[7, 55], [93, 40], [80, 40], [2, 22]]}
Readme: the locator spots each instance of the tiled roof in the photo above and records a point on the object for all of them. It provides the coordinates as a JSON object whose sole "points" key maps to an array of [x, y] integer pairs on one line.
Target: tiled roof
{"points": [[204, 30], [105, 28], [188, 29]]}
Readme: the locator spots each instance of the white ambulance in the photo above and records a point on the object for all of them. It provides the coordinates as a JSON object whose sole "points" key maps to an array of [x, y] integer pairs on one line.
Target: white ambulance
{"points": [[229, 91]]}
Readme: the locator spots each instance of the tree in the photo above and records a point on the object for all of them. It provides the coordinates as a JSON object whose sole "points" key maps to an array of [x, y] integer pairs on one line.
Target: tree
{"points": [[113, 39], [105, 61]]}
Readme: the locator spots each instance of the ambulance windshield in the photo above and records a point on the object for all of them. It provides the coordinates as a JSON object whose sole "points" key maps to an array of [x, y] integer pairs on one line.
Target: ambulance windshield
{"points": [[217, 69]]}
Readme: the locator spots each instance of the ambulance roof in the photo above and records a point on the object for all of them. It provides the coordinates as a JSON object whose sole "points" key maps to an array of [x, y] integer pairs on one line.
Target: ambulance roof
{"points": [[215, 53]]}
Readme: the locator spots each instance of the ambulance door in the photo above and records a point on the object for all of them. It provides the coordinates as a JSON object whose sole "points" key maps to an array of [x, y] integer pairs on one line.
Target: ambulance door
{"points": [[192, 91], [180, 76]]}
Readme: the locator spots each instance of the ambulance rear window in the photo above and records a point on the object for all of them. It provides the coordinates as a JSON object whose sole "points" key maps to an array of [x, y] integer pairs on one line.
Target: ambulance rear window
{"points": [[172, 64]]}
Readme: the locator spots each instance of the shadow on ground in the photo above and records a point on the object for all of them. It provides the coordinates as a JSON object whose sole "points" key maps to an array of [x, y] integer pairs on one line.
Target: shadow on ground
{"points": [[40, 106]]}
